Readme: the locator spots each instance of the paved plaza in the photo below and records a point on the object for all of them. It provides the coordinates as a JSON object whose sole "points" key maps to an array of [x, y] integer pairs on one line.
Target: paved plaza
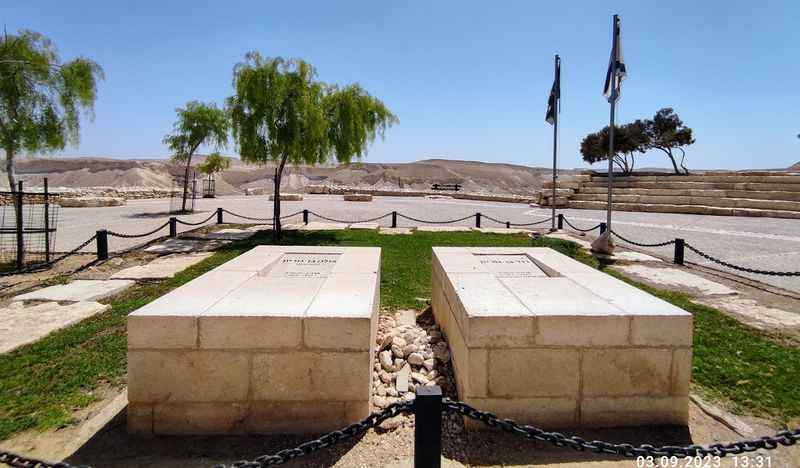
{"points": [[763, 243]]}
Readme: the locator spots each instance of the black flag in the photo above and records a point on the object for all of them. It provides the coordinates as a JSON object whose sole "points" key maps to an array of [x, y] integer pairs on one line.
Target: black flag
{"points": [[555, 95]]}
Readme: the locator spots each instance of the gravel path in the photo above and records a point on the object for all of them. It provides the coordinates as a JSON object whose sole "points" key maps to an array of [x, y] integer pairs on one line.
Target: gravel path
{"points": [[764, 243]]}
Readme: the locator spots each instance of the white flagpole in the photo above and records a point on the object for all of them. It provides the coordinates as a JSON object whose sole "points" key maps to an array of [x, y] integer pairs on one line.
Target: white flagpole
{"points": [[556, 76]]}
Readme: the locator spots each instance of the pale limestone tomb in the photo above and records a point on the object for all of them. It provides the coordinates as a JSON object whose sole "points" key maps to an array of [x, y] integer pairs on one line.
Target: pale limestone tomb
{"points": [[541, 338], [279, 339]]}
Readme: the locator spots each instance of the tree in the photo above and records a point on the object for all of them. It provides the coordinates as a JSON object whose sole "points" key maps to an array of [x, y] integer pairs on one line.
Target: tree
{"points": [[41, 98], [197, 124], [214, 164], [282, 114], [628, 139], [667, 133]]}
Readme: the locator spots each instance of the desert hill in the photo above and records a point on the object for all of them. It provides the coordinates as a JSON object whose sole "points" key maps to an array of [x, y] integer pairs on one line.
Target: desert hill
{"points": [[795, 167], [479, 177]]}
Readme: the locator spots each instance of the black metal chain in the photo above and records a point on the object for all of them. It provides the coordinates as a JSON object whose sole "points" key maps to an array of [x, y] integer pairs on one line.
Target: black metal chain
{"points": [[435, 222], [782, 438], [249, 218], [349, 221], [531, 224], [187, 223], [327, 440], [577, 228], [642, 244], [18, 461], [133, 236], [739, 268]]}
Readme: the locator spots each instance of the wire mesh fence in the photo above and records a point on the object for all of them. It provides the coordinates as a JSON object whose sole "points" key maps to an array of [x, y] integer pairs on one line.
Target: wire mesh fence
{"points": [[28, 224]]}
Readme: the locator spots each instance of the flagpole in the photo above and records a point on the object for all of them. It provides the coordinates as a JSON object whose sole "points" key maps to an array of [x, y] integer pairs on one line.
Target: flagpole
{"points": [[555, 143], [605, 243]]}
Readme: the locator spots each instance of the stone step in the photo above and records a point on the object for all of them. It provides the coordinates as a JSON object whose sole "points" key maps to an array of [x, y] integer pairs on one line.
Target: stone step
{"points": [[687, 209], [690, 200], [787, 178], [770, 187], [762, 195]]}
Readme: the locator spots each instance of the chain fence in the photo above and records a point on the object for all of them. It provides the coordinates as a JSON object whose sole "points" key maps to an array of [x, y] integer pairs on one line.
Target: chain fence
{"points": [[424, 221], [441, 405], [642, 244], [740, 268], [370, 220], [782, 438], [135, 236], [579, 229], [186, 223]]}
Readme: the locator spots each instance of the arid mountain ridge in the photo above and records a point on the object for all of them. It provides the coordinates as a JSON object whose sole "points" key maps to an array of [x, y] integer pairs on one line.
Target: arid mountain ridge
{"points": [[479, 177], [473, 176]]}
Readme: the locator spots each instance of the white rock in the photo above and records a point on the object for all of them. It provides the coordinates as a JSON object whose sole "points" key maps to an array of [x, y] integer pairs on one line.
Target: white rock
{"points": [[409, 349], [416, 359], [385, 377], [398, 364], [381, 390], [399, 341], [392, 392], [386, 360], [397, 351], [428, 363], [380, 401], [410, 396], [419, 378]]}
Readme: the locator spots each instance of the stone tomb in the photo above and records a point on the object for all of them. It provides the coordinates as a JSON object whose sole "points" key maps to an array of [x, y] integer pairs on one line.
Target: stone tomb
{"points": [[279, 339], [541, 338]]}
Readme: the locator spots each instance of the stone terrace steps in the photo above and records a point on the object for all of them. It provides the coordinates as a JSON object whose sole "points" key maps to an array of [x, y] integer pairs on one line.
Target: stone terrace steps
{"points": [[687, 209], [719, 202], [753, 193]]}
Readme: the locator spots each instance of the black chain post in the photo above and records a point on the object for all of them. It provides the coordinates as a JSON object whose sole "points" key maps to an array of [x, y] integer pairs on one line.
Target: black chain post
{"points": [[102, 244], [305, 216], [560, 221], [173, 227], [508, 224], [394, 219], [219, 215], [603, 228], [477, 219], [428, 427], [679, 244]]}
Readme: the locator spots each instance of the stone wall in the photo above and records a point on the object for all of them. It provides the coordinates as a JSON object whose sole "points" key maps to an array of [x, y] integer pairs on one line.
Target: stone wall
{"points": [[342, 190], [125, 193]]}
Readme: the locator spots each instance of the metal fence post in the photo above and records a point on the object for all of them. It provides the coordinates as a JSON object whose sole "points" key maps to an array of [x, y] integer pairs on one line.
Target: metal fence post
{"points": [[173, 227], [679, 245], [478, 219], [602, 228], [508, 224], [305, 216], [219, 215], [428, 427], [102, 244], [394, 219], [560, 221], [20, 239], [46, 223]]}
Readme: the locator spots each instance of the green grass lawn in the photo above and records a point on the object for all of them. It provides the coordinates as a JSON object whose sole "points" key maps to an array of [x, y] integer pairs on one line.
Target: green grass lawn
{"points": [[44, 383]]}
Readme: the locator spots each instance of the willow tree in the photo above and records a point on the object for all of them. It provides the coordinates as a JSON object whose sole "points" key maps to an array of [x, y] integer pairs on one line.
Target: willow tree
{"points": [[197, 124], [41, 98], [214, 163], [281, 114]]}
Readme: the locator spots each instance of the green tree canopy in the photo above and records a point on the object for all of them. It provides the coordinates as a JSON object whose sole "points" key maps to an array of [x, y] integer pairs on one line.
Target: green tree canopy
{"points": [[41, 98], [196, 124], [628, 139], [214, 163], [282, 114], [666, 132]]}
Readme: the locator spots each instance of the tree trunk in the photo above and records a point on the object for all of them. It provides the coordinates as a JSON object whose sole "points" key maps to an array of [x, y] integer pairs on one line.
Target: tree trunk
{"points": [[186, 182], [277, 234], [12, 185]]}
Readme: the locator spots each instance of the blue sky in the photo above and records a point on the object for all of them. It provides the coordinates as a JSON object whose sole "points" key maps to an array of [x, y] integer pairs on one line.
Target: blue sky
{"points": [[468, 79]]}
